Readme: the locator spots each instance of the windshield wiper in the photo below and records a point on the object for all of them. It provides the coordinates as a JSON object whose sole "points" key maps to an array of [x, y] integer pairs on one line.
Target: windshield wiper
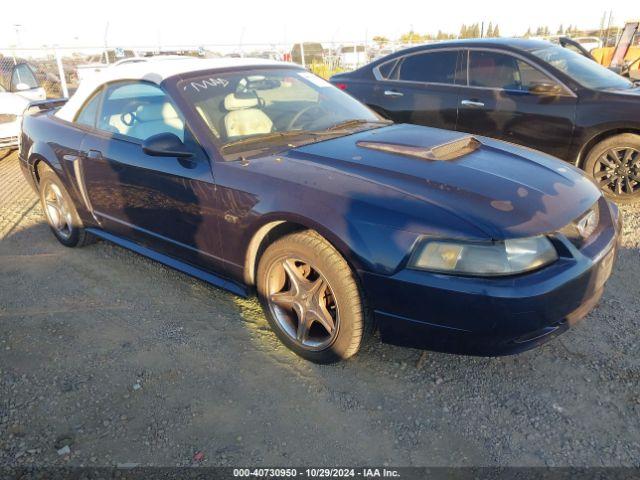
{"points": [[275, 136], [356, 122]]}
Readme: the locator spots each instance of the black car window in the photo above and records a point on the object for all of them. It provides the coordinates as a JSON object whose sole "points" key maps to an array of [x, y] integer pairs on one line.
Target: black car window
{"points": [[432, 67], [139, 110], [503, 71], [581, 69], [89, 111], [23, 74], [530, 76], [386, 68]]}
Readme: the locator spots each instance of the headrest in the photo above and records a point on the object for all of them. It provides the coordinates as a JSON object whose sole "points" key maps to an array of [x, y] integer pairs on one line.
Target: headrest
{"points": [[485, 62], [156, 111], [232, 102]]}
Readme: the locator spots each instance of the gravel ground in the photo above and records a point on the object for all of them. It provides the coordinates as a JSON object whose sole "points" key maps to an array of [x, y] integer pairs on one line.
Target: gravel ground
{"points": [[107, 358]]}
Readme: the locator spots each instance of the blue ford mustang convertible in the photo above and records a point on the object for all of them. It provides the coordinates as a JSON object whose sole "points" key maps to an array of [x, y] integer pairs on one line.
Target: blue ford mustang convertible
{"points": [[248, 173]]}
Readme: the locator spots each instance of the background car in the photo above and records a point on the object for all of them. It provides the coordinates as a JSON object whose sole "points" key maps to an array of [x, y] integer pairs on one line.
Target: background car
{"points": [[313, 53], [528, 92], [19, 85], [339, 219], [589, 43], [353, 56]]}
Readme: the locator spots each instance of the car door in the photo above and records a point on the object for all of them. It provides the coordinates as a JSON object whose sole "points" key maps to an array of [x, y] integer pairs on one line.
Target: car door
{"points": [[167, 203], [509, 98], [420, 87], [25, 84]]}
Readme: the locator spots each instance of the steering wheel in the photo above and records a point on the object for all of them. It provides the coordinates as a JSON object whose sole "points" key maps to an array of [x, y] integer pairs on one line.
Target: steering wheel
{"points": [[302, 112], [129, 117]]}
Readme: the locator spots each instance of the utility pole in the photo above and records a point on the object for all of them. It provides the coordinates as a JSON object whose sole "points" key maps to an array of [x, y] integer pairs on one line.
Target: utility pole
{"points": [[17, 27], [106, 48]]}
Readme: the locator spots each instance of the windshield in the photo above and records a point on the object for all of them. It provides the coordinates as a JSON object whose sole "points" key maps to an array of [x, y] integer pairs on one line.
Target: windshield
{"points": [[583, 70], [244, 107]]}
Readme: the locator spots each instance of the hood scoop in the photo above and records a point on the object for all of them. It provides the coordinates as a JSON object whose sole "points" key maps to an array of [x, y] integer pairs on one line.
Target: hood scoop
{"points": [[445, 151]]}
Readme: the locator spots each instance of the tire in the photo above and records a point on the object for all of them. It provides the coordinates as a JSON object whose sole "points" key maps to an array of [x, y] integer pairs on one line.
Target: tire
{"points": [[614, 164], [56, 202], [327, 294]]}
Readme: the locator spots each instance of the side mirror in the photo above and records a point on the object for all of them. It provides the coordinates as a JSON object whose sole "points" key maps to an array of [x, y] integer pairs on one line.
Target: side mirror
{"points": [[21, 87], [546, 89], [165, 145]]}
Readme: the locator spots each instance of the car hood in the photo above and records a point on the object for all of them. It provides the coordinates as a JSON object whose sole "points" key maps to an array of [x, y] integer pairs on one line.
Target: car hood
{"points": [[630, 92], [12, 103], [502, 189]]}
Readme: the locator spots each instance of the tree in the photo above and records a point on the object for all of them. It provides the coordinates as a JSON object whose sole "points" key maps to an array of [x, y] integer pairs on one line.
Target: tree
{"points": [[496, 31], [528, 33], [380, 40], [463, 31], [489, 33], [444, 36], [411, 37], [560, 30]]}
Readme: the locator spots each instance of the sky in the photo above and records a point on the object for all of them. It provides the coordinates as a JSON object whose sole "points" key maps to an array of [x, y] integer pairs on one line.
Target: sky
{"points": [[190, 22]]}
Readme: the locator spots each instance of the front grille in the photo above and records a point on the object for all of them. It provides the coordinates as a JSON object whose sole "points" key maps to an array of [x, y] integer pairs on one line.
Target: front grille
{"points": [[580, 230], [8, 142]]}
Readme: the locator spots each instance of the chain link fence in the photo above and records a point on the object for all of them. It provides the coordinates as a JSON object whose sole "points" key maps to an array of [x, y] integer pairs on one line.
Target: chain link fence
{"points": [[59, 70]]}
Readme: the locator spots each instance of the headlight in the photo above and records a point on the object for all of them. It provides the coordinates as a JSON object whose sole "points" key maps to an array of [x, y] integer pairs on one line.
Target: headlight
{"points": [[484, 259], [7, 118]]}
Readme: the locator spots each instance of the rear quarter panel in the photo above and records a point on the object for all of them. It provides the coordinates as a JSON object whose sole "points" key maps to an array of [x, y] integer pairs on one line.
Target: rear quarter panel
{"points": [[601, 112]]}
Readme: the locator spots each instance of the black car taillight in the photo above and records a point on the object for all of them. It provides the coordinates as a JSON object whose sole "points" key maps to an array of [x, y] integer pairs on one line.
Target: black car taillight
{"points": [[7, 118]]}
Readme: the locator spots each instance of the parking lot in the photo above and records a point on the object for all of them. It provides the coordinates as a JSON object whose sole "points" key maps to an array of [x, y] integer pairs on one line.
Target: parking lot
{"points": [[125, 361]]}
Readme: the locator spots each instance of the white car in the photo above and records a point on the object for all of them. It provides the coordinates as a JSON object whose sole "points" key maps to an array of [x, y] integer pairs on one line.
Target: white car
{"points": [[353, 56], [19, 87], [589, 43]]}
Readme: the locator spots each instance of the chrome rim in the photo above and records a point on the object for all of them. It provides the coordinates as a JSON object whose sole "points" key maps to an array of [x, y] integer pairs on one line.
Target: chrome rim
{"points": [[57, 210], [618, 171], [302, 303]]}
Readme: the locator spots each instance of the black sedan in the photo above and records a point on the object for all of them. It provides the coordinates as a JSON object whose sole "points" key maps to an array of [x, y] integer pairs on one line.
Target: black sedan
{"points": [[528, 92]]}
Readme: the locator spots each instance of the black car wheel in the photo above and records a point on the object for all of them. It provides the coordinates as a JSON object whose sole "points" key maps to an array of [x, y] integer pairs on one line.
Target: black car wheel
{"points": [[311, 298], [61, 213], [615, 165]]}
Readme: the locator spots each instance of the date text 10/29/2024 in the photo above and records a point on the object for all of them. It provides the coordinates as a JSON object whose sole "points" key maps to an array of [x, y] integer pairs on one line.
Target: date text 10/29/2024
{"points": [[316, 472]]}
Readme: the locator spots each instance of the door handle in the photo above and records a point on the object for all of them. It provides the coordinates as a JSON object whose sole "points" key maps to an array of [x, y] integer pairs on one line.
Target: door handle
{"points": [[393, 93], [94, 154], [472, 103]]}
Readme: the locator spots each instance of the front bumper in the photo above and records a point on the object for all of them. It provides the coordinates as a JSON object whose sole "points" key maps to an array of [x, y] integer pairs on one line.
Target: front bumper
{"points": [[495, 316], [9, 134], [8, 142]]}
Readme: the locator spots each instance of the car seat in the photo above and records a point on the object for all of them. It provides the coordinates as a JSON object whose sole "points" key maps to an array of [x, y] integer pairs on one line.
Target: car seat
{"points": [[244, 118]]}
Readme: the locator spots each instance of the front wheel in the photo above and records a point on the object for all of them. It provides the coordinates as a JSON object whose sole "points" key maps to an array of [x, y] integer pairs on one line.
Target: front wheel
{"points": [[61, 213], [614, 164], [311, 298]]}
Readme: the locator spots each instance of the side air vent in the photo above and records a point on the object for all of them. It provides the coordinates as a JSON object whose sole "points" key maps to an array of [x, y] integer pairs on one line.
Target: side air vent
{"points": [[445, 151]]}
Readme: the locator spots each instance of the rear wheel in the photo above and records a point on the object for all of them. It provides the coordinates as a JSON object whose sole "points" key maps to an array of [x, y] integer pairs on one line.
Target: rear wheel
{"points": [[61, 213], [614, 164], [311, 298]]}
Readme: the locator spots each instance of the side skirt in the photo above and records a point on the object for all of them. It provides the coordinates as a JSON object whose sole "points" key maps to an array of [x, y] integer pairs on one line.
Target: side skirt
{"points": [[196, 272]]}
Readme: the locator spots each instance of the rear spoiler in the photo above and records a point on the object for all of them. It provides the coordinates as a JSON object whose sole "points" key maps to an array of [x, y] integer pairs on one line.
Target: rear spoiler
{"points": [[44, 105]]}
